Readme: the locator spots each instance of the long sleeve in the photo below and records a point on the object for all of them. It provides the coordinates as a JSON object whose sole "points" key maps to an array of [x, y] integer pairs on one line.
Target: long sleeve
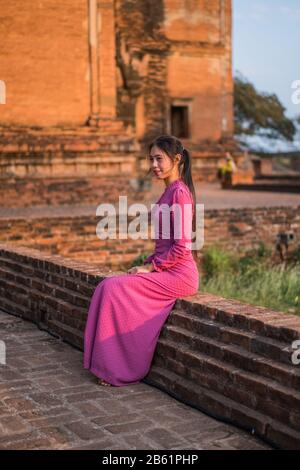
{"points": [[181, 226]]}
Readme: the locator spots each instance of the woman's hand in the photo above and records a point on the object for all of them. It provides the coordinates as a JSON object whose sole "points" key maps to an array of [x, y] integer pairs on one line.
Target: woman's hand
{"points": [[146, 268]]}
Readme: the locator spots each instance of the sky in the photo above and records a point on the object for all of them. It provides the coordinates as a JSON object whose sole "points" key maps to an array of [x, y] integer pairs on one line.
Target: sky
{"points": [[266, 46]]}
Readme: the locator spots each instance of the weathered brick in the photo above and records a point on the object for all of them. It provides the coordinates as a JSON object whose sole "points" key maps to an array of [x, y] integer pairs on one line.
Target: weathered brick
{"points": [[85, 431], [11, 425]]}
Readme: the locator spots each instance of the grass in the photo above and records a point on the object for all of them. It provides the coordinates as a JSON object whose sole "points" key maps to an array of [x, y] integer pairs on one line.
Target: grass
{"points": [[252, 278]]}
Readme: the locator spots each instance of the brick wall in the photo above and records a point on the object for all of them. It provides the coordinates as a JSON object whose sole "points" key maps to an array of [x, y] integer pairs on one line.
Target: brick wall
{"points": [[243, 228], [74, 236], [29, 192], [44, 62], [224, 357]]}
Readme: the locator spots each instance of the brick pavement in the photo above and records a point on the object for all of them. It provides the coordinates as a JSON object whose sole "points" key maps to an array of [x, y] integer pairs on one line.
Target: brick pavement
{"points": [[48, 401]]}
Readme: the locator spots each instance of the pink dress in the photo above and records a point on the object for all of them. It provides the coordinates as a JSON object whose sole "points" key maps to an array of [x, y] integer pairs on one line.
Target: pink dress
{"points": [[128, 311]]}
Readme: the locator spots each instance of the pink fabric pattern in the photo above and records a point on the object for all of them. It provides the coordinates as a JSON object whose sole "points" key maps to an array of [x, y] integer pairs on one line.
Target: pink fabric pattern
{"points": [[128, 311]]}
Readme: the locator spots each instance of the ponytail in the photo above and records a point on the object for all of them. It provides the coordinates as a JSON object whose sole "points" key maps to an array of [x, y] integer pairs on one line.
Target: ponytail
{"points": [[186, 175]]}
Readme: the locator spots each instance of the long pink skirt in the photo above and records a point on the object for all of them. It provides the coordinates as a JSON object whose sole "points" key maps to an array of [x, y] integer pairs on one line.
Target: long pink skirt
{"points": [[125, 317]]}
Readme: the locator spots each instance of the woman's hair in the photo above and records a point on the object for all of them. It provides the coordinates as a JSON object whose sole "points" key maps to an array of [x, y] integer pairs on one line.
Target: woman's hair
{"points": [[172, 146]]}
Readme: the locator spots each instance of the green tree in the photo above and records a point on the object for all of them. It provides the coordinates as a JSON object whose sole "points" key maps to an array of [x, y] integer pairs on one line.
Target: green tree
{"points": [[255, 111]]}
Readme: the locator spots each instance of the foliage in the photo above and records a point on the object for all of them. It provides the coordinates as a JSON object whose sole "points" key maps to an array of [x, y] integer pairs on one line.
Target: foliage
{"points": [[255, 111], [139, 260], [250, 278]]}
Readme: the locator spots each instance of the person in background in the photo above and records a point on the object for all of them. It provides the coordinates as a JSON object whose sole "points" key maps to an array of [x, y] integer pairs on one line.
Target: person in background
{"points": [[226, 168]]}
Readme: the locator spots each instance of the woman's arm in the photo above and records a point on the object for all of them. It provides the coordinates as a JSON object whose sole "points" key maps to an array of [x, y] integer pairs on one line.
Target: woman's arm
{"points": [[181, 246], [147, 268]]}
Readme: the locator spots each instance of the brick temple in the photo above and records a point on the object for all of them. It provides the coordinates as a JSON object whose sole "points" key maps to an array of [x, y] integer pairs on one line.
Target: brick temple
{"points": [[89, 83]]}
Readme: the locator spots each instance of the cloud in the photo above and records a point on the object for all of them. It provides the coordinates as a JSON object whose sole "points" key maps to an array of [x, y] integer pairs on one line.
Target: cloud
{"points": [[292, 13], [260, 12], [255, 12]]}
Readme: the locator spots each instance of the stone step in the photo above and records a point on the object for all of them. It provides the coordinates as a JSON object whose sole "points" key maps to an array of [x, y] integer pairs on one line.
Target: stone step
{"points": [[71, 335], [259, 393], [223, 408], [76, 272], [255, 319], [287, 374], [279, 177], [65, 292], [66, 306], [75, 302], [280, 186], [272, 349]]}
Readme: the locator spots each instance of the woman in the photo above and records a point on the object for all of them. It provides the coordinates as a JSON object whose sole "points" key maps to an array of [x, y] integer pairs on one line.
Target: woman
{"points": [[128, 311]]}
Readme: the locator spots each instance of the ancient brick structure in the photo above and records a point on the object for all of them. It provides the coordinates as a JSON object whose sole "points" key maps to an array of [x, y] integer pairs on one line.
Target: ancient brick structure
{"points": [[89, 82]]}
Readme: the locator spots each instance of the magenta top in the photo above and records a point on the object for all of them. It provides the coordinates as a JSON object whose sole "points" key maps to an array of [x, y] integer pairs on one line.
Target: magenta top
{"points": [[175, 249]]}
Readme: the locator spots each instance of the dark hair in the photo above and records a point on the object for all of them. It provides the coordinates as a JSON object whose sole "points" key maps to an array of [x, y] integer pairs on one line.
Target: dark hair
{"points": [[172, 146]]}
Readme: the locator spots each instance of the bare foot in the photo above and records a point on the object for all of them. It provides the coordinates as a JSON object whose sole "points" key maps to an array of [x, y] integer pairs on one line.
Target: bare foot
{"points": [[103, 383]]}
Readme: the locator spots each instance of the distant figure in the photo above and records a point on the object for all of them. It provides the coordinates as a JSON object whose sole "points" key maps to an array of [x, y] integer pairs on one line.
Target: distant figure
{"points": [[226, 168]]}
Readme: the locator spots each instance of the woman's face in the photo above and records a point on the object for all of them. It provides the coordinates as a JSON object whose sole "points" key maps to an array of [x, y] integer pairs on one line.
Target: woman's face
{"points": [[161, 164]]}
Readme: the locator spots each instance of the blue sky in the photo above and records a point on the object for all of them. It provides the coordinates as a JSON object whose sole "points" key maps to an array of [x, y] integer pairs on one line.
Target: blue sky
{"points": [[266, 46]]}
